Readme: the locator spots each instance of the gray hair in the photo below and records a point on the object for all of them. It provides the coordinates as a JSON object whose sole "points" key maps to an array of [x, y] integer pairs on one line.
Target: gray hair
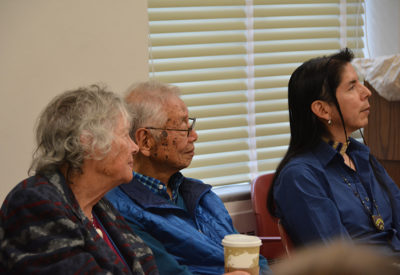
{"points": [[147, 101], [86, 113]]}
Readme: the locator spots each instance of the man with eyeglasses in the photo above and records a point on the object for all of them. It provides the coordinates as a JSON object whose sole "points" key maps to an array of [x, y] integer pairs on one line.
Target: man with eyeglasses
{"points": [[180, 218]]}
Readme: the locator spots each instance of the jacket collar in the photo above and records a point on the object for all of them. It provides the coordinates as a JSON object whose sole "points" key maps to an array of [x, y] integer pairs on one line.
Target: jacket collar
{"points": [[190, 189], [59, 182]]}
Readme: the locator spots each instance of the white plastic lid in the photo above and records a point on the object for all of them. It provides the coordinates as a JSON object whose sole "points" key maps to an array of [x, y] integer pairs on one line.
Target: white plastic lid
{"points": [[241, 240]]}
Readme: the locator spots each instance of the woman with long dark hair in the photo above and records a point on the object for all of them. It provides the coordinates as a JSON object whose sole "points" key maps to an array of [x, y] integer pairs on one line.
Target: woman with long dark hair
{"points": [[328, 185]]}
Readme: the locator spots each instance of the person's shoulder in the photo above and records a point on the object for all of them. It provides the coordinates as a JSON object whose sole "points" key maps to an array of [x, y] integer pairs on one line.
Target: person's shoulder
{"points": [[33, 189], [35, 198], [127, 202], [302, 161], [358, 148], [302, 167], [193, 180], [195, 186], [193, 183]]}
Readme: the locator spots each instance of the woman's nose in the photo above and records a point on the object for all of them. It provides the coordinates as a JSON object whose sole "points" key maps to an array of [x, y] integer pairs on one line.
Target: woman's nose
{"points": [[365, 92]]}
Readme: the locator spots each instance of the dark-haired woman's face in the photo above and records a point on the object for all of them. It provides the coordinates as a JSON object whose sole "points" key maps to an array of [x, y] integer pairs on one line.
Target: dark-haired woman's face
{"points": [[352, 97]]}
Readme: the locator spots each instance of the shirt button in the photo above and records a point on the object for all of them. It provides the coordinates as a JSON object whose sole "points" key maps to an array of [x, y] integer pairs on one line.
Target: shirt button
{"points": [[160, 186]]}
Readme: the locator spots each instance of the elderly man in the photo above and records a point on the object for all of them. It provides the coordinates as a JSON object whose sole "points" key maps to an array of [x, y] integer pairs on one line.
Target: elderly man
{"points": [[180, 218]]}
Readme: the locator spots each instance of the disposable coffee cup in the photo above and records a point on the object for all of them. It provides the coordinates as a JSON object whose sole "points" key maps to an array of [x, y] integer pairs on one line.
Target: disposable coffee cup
{"points": [[241, 253]]}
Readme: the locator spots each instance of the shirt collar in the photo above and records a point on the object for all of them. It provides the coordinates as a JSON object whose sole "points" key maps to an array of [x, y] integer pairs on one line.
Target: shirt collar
{"points": [[159, 188], [326, 153], [337, 146]]}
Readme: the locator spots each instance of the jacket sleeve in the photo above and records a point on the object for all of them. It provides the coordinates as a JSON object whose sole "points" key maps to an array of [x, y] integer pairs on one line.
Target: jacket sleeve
{"points": [[39, 235], [166, 263]]}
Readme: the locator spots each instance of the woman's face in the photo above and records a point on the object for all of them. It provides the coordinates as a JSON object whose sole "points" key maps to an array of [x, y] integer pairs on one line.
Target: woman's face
{"points": [[352, 97], [117, 166]]}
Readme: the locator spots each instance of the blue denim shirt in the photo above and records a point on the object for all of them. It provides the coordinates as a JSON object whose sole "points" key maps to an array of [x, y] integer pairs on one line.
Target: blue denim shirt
{"points": [[315, 198]]}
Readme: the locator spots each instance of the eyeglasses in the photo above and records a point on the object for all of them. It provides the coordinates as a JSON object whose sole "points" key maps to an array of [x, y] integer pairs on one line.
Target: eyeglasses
{"points": [[192, 122]]}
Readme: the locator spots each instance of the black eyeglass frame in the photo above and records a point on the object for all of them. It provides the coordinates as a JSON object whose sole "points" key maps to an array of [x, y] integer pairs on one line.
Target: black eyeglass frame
{"points": [[188, 130]]}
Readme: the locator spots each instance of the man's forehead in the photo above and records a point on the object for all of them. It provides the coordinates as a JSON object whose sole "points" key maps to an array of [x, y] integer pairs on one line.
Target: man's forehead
{"points": [[177, 111], [177, 116]]}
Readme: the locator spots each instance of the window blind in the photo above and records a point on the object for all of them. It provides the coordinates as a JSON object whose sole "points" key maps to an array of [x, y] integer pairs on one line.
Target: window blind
{"points": [[232, 60]]}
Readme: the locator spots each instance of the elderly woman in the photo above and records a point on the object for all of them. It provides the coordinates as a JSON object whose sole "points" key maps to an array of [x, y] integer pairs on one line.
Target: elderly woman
{"points": [[329, 185], [57, 222]]}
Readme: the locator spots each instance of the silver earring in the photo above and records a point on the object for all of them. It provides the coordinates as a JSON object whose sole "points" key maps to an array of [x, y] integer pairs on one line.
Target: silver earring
{"points": [[329, 122]]}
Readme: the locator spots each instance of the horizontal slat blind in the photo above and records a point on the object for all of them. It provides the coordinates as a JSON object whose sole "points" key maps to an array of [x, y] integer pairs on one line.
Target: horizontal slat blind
{"points": [[232, 60]]}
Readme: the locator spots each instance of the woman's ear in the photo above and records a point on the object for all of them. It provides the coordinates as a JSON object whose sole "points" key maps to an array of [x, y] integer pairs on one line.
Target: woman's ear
{"points": [[322, 109], [144, 140]]}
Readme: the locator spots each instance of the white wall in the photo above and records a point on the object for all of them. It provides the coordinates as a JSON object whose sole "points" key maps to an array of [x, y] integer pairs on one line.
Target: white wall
{"points": [[51, 46], [383, 27]]}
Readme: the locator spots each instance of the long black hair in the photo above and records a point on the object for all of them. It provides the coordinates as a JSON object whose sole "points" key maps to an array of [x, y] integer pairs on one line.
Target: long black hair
{"points": [[315, 79]]}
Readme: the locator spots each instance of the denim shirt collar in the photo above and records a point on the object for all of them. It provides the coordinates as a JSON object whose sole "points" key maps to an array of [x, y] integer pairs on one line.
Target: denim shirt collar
{"points": [[326, 152]]}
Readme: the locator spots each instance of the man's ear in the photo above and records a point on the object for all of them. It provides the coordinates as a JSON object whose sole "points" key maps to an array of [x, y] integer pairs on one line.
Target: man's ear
{"points": [[144, 140], [321, 109]]}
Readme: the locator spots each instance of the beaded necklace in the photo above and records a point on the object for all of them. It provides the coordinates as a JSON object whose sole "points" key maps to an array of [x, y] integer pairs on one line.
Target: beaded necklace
{"points": [[377, 219]]}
